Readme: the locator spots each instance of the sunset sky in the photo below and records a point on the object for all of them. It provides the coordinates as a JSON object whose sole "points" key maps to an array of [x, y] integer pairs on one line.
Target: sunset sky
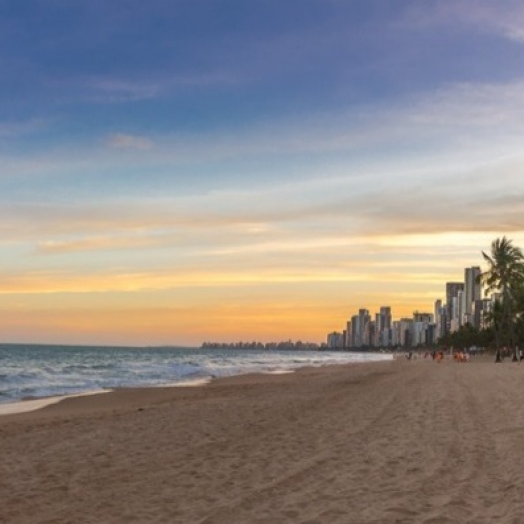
{"points": [[178, 171]]}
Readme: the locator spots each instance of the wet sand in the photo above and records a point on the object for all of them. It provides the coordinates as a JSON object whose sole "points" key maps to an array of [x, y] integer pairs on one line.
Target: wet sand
{"points": [[406, 442]]}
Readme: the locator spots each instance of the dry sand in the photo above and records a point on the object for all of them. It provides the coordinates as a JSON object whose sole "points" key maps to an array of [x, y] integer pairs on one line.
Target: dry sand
{"points": [[389, 442]]}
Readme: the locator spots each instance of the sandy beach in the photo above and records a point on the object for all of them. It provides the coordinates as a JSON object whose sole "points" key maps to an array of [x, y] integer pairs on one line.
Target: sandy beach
{"points": [[386, 442]]}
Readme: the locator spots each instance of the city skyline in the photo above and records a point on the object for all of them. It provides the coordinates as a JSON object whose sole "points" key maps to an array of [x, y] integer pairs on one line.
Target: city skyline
{"points": [[465, 304], [172, 172]]}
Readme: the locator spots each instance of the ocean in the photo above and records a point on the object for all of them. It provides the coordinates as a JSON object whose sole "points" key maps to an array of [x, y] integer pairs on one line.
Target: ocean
{"points": [[36, 371]]}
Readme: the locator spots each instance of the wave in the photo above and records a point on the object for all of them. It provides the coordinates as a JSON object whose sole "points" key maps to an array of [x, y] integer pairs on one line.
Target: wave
{"points": [[39, 372]]}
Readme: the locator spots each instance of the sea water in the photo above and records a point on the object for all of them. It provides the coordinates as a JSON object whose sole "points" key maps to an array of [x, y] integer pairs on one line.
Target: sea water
{"points": [[35, 371]]}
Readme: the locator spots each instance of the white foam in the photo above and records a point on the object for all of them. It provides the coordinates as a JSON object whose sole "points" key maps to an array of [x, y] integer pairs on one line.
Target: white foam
{"points": [[186, 383]]}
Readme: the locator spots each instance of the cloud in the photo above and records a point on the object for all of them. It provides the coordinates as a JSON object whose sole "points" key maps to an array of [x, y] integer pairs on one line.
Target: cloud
{"points": [[117, 90], [461, 123], [20, 128], [82, 281], [445, 161], [100, 243], [472, 105], [504, 17], [463, 111], [389, 198], [122, 141]]}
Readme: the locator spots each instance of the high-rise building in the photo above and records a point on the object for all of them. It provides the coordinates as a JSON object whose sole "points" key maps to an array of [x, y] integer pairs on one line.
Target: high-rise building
{"points": [[422, 317], [455, 311], [452, 289], [364, 327], [458, 313], [472, 291], [355, 332], [384, 326], [440, 319], [335, 340], [406, 332], [376, 335], [423, 329], [480, 310], [372, 333], [395, 333]]}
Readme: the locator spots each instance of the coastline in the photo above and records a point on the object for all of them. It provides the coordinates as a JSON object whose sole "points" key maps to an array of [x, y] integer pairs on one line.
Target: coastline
{"points": [[34, 404], [42, 372], [393, 441], [35, 401]]}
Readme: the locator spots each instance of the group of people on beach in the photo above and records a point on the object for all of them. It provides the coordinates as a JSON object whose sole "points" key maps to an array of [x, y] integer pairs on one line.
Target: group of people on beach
{"points": [[435, 355], [461, 356], [438, 356]]}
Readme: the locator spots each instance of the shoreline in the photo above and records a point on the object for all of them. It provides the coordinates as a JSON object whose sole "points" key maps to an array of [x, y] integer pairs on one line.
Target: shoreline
{"points": [[38, 403], [33, 403]]}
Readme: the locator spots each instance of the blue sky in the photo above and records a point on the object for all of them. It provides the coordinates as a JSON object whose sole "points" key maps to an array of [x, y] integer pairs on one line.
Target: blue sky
{"points": [[250, 163]]}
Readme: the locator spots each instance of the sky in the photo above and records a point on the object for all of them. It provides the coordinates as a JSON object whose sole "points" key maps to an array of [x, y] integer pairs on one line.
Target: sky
{"points": [[175, 171]]}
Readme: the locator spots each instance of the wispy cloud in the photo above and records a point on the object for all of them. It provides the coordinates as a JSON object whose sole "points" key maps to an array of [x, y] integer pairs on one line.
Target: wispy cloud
{"points": [[122, 141], [463, 122], [108, 89], [337, 225], [11, 129], [505, 17], [100, 243], [117, 90], [464, 111], [134, 281], [423, 200], [470, 182]]}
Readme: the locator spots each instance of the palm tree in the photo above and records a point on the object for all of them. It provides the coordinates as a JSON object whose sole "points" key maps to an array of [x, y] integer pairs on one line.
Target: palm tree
{"points": [[493, 319], [505, 275], [519, 315]]}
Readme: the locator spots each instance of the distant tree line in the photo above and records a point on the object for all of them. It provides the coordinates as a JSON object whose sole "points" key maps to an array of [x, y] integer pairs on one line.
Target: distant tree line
{"points": [[288, 344]]}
